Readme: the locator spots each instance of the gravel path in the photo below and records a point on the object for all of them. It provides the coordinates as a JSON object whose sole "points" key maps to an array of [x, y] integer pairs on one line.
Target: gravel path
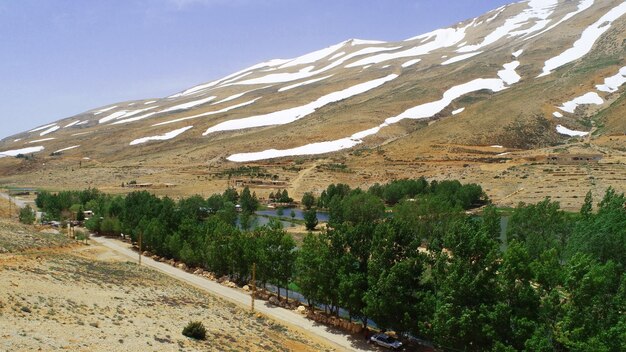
{"points": [[341, 340]]}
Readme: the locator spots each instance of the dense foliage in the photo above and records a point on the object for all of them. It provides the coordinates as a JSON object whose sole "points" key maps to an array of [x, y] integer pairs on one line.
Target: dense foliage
{"points": [[407, 256]]}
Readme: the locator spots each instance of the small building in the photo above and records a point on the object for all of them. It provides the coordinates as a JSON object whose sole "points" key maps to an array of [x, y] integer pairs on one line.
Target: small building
{"points": [[574, 158], [139, 185]]}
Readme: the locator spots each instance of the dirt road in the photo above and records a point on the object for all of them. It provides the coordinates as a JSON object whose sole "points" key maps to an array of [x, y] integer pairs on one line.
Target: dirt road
{"points": [[20, 203], [341, 340]]}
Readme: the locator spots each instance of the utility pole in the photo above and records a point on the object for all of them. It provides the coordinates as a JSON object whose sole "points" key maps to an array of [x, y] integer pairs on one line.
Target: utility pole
{"points": [[140, 248], [253, 284]]}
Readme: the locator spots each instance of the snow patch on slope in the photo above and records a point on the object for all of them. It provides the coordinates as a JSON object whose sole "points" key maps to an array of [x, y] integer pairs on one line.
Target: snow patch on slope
{"points": [[411, 63], [419, 112], [306, 72], [68, 148], [188, 105], [354, 42], [208, 113], [136, 118], [113, 116], [290, 115], [198, 88], [314, 56], [539, 10], [588, 38], [341, 53], [589, 98], [163, 137], [71, 124], [303, 83], [508, 75], [612, 84], [50, 130], [16, 152], [572, 133], [104, 110], [41, 140], [42, 127], [458, 111], [460, 58], [582, 6], [441, 38]]}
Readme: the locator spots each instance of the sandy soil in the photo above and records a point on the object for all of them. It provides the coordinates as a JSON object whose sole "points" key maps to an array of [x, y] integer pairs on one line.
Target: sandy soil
{"points": [[87, 298]]}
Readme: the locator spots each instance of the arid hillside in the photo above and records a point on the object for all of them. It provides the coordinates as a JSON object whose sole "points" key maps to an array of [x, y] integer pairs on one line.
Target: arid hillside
{"points": [[491, 99], [56, 294]]}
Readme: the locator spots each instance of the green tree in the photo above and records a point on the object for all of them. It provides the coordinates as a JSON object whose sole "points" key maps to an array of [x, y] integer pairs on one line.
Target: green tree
{"points": [[594, 308], [245, 220], [215, 203], [276, 254], [230, 195], [249, 203], [539, 227], [194, 207], [362, 208], [315, 273], [399, 295], [228, 214], [27, 215], [111, 226], [587, 207], [219, 235], [465, 278], [516, 312], [603, 235], [491, 222], [80, 215], [284, 197], [308, 200], [93, 224], [310, 219]]}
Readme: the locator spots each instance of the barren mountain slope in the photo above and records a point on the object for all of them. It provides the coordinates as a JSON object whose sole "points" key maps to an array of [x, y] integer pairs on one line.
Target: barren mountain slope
{"points": [[534, 78]]}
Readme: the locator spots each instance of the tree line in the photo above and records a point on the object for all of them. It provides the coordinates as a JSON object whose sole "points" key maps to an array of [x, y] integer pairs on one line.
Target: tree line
{"points": [[407, 256]]}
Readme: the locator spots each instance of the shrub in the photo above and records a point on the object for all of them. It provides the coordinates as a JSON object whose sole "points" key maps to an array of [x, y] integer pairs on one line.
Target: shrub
{"points": [[195, 330], [27, 215]]}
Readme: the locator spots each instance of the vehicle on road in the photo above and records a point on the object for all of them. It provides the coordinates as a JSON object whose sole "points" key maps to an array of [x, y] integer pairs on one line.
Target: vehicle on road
{"points": [[387, 341]]}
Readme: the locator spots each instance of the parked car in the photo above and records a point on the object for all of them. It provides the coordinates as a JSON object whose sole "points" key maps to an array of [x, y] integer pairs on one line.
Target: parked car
{"points": [[386, 341]]}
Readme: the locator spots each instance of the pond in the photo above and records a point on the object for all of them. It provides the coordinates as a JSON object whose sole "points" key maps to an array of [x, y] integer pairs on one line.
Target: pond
{"points": [[258, 221], [321, 216]]}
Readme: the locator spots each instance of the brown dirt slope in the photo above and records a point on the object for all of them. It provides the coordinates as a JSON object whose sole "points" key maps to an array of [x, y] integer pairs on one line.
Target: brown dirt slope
{"points": [[84, 298]]}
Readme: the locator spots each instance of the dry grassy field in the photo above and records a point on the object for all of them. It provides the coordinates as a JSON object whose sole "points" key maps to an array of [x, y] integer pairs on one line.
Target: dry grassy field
{"points": [[61, 295]]}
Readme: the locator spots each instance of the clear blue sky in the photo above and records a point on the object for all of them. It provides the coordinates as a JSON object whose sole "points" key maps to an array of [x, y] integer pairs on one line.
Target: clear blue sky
{"points": [[62, 57]]}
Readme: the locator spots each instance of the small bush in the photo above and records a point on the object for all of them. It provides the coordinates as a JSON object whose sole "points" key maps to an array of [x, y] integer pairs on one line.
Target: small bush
{"points": [[27, 215], [195, 330]]}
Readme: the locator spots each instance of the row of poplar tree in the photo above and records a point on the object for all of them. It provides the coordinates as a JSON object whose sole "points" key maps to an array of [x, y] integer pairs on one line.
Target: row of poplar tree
{"points": [[408, 256]]}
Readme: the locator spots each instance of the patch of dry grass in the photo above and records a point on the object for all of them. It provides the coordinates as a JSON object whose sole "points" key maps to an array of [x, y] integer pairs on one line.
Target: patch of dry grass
{"points": [[16, 237], [78, 301]]}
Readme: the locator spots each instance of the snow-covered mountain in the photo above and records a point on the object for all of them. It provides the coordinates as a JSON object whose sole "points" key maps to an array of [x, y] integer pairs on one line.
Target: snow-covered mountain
{"points": [[552, 69]]}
